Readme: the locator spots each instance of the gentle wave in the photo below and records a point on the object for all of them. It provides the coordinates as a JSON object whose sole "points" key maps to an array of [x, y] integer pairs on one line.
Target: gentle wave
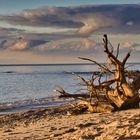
{"points": [[29, 104], [57, 72], [83, 72]]}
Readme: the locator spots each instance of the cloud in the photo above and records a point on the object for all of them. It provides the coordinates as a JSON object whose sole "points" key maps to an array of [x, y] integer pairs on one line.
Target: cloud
{"points": [[8, 33], [129, 46], [43, 17], [69, 47], [86, 19], [136, 47], [83, 23], [95, 22], [11, 30], [20, 44], [66, 47]]}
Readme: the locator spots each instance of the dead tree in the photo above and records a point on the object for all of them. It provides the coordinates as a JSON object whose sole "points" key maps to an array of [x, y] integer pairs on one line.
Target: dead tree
{"points": [[114, 94]]}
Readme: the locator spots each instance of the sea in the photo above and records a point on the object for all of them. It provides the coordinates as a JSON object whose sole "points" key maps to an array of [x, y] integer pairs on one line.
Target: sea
{"points": [[29, 86]]}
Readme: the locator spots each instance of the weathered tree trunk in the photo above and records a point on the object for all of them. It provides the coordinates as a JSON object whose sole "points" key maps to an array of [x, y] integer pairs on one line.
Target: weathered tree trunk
{"points": [[112, 94], [123, 93]]}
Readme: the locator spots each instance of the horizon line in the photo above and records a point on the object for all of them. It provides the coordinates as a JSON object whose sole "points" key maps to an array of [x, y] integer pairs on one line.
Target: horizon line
{"points": [[52, 64]]}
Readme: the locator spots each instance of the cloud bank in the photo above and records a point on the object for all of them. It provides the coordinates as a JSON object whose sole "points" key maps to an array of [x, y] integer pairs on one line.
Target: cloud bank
{"points": [[86, 19], [82, 24]]}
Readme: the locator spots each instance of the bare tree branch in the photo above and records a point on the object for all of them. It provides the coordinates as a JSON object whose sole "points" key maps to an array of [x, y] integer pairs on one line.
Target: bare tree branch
{"points": [[126, 58], [103, 67], [118, 48], [81, 78], [113, 59]]}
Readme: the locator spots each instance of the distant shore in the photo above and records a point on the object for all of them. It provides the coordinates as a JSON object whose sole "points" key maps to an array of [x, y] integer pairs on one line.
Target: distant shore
{"points": [[57, 123]]}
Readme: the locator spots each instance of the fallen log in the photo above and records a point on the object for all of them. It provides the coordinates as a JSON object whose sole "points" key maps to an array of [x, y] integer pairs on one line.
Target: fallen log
{"points": [[108, 95]]}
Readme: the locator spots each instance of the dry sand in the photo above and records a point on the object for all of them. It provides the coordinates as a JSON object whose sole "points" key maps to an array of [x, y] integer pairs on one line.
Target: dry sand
{"points": [[57, 124]]}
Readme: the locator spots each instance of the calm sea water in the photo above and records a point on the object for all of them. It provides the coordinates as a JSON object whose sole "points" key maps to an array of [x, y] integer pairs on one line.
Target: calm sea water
{"points": [[28, 86]]}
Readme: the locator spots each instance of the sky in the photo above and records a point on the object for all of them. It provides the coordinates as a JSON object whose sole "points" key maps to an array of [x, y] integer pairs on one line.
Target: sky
{"points": [[59, 31], [11, 6]]}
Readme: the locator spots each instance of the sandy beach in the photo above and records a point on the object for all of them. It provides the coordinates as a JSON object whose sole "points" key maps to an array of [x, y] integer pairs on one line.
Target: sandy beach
{"points": [[57, 123]]}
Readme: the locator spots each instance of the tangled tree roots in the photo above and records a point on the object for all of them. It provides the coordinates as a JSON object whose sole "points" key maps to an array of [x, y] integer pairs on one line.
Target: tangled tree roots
{"points": [[108, 95]]}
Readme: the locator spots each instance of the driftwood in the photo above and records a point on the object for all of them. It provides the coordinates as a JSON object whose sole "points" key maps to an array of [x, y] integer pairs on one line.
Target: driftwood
{"points": [[108, 95]]}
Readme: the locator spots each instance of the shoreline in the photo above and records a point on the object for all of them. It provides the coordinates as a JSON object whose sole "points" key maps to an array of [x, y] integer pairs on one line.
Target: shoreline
{"points": [[57, 123], [26, 105]]}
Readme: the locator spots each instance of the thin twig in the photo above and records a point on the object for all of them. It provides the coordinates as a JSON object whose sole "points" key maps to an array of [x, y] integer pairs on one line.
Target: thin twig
{"points": [[103, 67], [118, 49]]}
